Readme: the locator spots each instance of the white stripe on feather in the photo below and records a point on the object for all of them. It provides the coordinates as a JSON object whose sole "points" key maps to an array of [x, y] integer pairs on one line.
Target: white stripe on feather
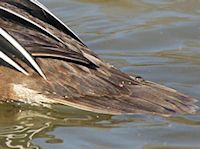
{"points": [[12, 63], [11, 40], [33, 23], [51, 14]]}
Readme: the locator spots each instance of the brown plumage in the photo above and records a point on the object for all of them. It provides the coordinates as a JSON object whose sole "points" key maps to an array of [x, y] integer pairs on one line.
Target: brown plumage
{"points": [[76, 76]]}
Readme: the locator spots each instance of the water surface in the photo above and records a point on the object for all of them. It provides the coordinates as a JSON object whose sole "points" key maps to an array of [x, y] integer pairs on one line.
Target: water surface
{"points": [[157, 39]]}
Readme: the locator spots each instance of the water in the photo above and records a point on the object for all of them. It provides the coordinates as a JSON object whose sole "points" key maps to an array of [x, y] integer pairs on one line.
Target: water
{"points": [[158, 39]]}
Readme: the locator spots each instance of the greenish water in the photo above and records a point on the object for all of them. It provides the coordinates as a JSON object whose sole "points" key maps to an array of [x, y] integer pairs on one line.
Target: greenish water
{"points": [[157, 39]]}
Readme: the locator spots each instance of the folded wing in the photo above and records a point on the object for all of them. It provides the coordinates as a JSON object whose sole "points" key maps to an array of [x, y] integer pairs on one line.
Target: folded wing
{"points": [[41, 34]]}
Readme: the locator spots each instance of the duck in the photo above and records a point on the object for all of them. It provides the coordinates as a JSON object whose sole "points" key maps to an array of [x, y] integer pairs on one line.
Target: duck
{"points": [[43, 62]]}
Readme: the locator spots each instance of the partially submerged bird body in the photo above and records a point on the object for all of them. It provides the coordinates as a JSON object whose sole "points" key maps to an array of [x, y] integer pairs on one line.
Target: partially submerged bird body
{"points": [[43, 61]]}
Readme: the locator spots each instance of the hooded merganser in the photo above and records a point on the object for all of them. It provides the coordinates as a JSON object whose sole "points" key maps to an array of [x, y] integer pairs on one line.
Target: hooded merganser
{"points": [[44, 61]]}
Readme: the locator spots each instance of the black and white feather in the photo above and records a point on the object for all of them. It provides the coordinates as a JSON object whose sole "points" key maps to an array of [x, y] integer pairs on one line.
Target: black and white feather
{"points": [[30, 16]]}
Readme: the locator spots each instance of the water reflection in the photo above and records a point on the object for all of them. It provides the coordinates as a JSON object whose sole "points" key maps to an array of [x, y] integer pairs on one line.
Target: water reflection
{"points": [[20, 124], [23, 126]]}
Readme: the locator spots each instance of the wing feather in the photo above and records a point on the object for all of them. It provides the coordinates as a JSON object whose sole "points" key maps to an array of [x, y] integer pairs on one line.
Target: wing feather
{"points": [[39, 11], [7, 59], [58, 22], [26, 20], [19, 48], [36, 33]]}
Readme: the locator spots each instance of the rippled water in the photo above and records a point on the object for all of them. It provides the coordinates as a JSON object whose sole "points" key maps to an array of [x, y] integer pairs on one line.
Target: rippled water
{"points": [[158, 39]]}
